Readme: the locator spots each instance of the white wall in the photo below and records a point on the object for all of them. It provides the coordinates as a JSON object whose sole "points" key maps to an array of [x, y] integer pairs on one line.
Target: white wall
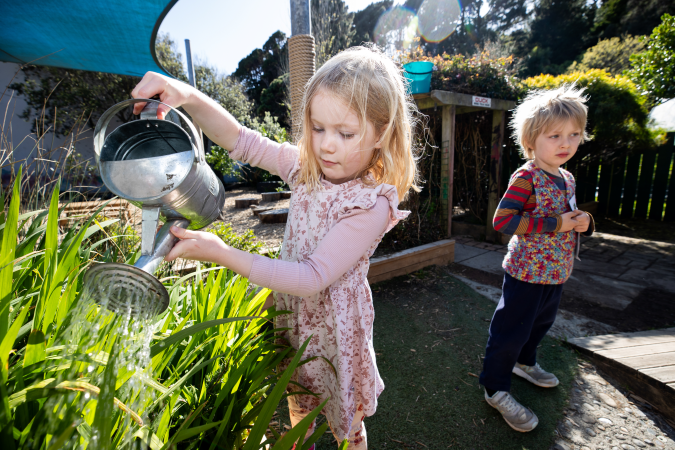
{"points": [[18, 132]]}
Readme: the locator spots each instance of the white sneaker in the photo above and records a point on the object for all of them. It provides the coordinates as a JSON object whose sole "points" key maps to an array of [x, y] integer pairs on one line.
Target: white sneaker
{"points": [[516, 415], [536, 375]]}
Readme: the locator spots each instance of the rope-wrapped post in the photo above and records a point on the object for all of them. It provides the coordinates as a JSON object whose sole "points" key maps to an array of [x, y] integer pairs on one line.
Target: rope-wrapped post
{"points": [[301, 63]]}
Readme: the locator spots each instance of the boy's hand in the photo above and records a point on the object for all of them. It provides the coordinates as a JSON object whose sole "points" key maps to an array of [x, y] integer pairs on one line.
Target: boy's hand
{"points": [[170, 91], [570, 221], [196, 245], [584, 221]]}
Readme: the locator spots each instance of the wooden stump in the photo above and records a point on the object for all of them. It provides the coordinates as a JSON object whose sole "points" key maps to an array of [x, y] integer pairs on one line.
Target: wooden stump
{"points": [[274, 216], [270, 196], [285, 194], [255, 209], [246, 202]]}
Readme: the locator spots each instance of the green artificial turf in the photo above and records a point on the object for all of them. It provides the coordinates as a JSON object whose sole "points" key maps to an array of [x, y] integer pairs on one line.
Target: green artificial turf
{"points": [[430, 399]]}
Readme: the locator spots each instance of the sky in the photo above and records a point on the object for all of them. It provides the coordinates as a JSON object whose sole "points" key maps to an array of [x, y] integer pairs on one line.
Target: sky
{"points": [[222, 32]]}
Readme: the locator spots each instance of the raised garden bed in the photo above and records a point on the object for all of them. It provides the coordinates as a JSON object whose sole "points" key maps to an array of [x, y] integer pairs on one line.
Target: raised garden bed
{"points": [[411, 260]]}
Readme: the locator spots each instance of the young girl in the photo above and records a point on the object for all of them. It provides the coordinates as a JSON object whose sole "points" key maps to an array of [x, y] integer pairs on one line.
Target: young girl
{"points": [[353, 162]]}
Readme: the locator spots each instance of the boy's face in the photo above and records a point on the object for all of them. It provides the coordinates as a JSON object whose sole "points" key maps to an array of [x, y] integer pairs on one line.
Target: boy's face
{"points": [[335, 139], [555, 146]]}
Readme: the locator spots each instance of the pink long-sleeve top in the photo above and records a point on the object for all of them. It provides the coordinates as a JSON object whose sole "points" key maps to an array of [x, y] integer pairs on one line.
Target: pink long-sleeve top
{"points": [[340, 249]]}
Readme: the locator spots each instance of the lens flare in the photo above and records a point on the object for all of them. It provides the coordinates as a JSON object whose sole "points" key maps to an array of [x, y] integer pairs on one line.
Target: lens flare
{"points": [[396, 28], [438, 19]]}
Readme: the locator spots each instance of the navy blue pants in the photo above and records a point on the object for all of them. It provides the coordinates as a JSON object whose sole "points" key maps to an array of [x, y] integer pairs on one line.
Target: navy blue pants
{"points": [[524, 315]]}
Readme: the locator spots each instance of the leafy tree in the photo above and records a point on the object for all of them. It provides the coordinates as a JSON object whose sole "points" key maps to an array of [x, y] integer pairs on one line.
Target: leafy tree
{"points": [[274, 100], [263, 65], [636, 17], [617, 113], [364, 21], [260, 73], [612, 54], [558, 34], [332, 28], [653, 70], [170, 57]]}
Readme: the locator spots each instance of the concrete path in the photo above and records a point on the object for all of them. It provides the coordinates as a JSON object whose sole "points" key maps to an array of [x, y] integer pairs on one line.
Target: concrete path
{"points": [[613, 271]]}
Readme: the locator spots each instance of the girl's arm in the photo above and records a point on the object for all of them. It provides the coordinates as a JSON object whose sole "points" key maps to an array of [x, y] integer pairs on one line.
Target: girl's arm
{"points": [[258, 151], [219, 125], [340, 249]]}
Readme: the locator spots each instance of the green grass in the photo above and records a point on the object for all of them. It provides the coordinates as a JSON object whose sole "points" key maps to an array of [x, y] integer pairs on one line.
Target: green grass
{"points": [[429, 397]]}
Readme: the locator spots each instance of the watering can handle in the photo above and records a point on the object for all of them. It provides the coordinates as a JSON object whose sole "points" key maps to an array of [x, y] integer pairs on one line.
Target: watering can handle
{"points": [[149, 112]]}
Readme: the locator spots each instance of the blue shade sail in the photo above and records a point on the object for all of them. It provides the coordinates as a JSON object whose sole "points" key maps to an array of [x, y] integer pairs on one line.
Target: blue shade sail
{"points": [[114, 36]]}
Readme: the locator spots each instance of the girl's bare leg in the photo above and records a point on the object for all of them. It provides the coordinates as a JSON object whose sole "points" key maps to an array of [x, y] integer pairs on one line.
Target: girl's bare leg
{"points": [[357, 436], [298, 413]]}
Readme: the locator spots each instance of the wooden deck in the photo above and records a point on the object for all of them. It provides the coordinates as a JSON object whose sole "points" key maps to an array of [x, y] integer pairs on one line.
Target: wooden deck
{"points": [[642, 361]]}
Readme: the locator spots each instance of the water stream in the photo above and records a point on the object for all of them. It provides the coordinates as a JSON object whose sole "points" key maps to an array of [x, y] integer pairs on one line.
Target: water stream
{"points": [[91, 333]]}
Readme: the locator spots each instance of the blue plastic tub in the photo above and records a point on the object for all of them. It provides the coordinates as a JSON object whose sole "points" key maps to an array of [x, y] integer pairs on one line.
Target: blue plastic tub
{"points": [[419, 76]]}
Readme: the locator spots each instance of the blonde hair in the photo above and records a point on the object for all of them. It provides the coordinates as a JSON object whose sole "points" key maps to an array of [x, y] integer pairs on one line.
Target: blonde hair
{"points": [[372, 86], [543, 108]]}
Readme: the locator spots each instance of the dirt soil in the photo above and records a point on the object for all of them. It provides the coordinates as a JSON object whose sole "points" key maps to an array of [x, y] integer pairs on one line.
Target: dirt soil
{"points": [[242, 219]]}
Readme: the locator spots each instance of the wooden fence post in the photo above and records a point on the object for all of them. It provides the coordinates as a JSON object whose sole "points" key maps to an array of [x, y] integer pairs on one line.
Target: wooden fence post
{"points": [[447, 162], [498, 122]]}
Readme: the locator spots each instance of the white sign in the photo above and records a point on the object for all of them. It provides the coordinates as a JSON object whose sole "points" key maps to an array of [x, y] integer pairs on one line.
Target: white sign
{"points": [[482, 101]]}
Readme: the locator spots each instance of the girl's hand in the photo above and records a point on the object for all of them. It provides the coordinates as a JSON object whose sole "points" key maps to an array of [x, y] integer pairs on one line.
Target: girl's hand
{"points": [[196, 245], [570, 221], [584, 221], [171, 91]]}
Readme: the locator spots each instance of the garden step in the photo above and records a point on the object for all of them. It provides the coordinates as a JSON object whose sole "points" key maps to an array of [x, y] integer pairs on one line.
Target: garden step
{"points": [[246, 202], [255, 209], [274, 216], [270, 196]]}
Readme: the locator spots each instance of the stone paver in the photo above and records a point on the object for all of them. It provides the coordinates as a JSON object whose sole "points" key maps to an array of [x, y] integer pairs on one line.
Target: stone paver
{"points": [[612, 272], [601, 416]]}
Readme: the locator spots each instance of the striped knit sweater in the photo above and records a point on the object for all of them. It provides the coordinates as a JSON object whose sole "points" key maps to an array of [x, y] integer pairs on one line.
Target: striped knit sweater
{"points": [[520, 199]]}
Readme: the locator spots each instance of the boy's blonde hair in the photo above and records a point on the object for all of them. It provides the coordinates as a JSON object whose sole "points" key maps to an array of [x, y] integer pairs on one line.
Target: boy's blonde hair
{"points": [[372, 86], [542, 109]]}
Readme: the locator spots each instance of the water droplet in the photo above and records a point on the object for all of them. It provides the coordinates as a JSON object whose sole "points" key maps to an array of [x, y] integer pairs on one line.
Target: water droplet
{"points": [[90, 369]]}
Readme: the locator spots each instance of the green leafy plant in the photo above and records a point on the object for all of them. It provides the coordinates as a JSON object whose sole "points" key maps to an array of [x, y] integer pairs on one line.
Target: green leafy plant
{"points": [[203, 374], [653, 70], [612, 55], [246, 242], [480, 74]]}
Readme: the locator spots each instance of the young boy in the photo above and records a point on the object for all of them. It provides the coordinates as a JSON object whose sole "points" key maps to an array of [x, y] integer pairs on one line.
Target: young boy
{"points": [[539, 210]]}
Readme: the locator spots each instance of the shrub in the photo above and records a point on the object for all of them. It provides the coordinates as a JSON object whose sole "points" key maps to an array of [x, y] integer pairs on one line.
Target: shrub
{"points": [[613, 55], [617, 115], [246, 242], [653, 70], [480, 74]]}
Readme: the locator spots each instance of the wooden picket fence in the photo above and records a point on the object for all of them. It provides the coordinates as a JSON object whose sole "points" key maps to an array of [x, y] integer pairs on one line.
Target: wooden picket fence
{"points": [[640, 186]]}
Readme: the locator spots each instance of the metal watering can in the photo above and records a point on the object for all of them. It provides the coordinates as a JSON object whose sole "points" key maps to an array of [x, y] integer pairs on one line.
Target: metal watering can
{"points": [[159, 167]]}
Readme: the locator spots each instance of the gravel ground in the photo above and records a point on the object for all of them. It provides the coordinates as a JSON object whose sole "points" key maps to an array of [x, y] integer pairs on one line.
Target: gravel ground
{"points": [[243, 219], [602, 415]]}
